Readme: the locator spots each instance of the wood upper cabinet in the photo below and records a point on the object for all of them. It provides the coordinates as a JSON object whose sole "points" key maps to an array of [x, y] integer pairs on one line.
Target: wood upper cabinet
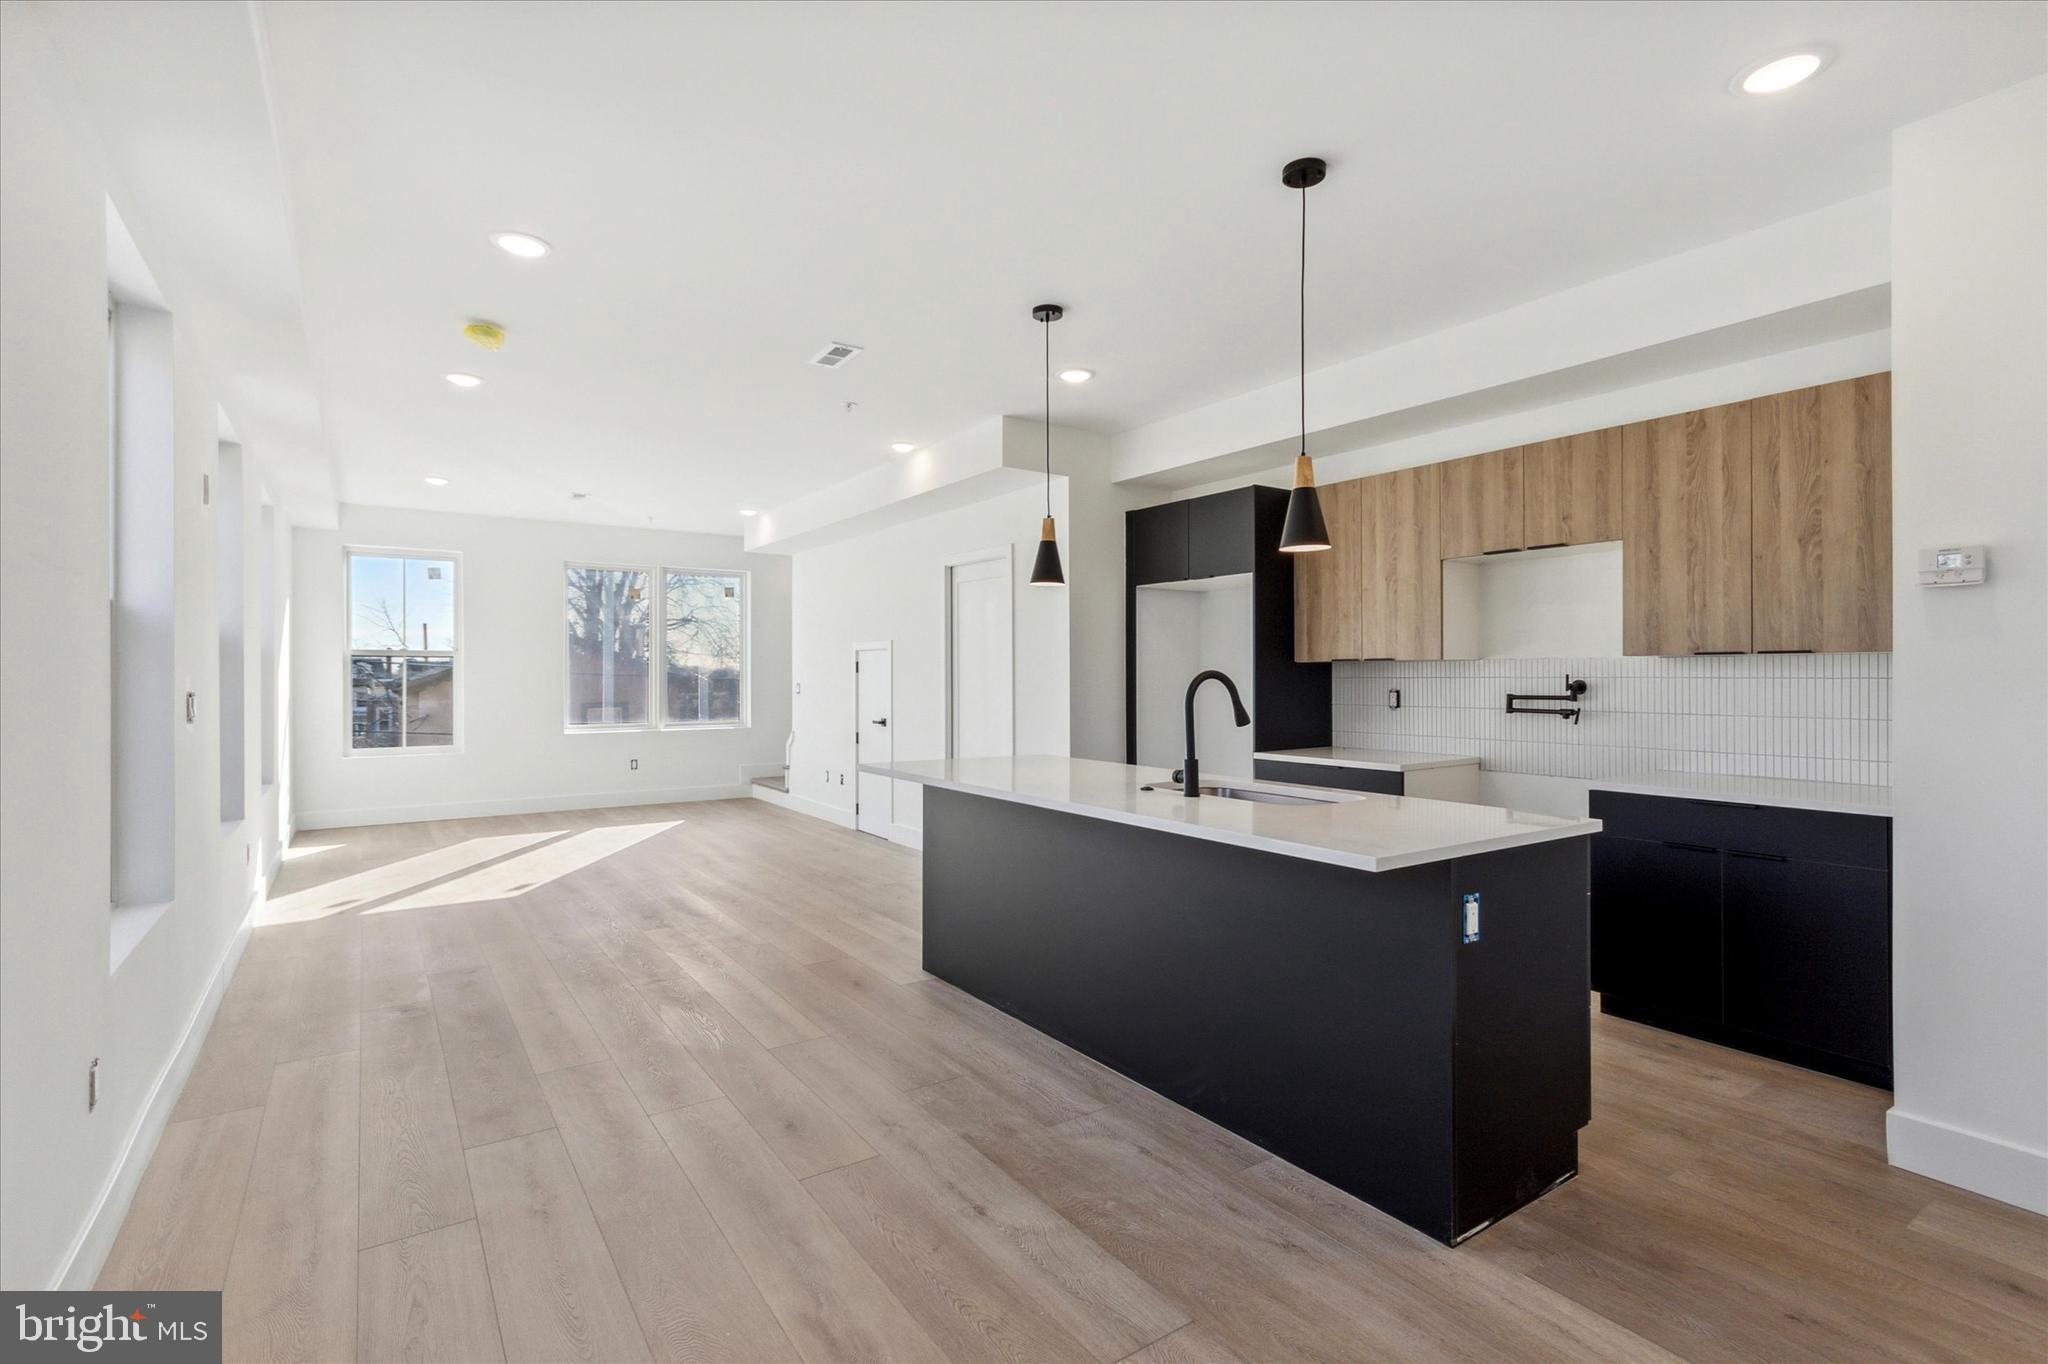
{"points": [[1686, 563], [1571, 490], [1821, 495], [1329, 584], [1404, 597], [1479, 504]]}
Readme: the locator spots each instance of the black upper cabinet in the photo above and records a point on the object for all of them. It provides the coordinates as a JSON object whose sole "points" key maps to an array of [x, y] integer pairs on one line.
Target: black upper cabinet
{"points": [[1221, 531], [1159, 543]]}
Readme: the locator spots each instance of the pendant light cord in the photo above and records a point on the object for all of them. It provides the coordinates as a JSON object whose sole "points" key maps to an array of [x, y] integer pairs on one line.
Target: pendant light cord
{"points": [[1302, 312], [1048, 416]]}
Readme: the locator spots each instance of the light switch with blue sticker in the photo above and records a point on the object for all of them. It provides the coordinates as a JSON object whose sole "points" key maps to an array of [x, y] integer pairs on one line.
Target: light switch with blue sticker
{"points": [[1472, 917]]}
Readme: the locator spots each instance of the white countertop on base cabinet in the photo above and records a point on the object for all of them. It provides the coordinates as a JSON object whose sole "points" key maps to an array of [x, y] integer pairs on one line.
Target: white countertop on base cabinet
{"points": [[1783, 792]]}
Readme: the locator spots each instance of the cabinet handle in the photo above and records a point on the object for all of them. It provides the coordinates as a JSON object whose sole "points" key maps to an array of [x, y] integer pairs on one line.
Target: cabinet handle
{"points": [[1784, 651], [1719, 653], [1555, 544], [1721, 804], [1690, 847], [1757, 856]]}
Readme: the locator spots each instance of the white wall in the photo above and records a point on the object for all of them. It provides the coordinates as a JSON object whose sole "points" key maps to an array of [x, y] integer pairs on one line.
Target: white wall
{"points": [[1092, 538], [514, 753], [1970, 741], [66, 1175], [891, 585], [1182, 632]]}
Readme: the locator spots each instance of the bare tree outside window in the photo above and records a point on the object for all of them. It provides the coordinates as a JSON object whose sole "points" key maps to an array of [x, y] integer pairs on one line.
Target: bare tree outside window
{"points": [[608, 616], [704, 637], [616, 623], [401, 651]]}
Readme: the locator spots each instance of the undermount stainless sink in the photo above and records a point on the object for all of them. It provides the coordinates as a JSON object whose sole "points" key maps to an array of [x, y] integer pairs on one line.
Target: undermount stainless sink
{"points": [[1252, 793]]}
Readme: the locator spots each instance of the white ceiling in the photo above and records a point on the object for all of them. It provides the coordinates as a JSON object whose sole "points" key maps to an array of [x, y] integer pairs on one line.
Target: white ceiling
{"points": [[731, 187]]}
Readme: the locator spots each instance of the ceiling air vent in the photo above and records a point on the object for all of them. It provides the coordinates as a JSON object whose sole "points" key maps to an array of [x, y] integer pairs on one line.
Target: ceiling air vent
{"points": [[835, 355]]}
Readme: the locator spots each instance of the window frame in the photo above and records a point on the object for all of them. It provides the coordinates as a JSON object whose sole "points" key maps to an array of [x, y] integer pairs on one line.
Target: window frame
{"points": [[657, 672], [349, 553]]}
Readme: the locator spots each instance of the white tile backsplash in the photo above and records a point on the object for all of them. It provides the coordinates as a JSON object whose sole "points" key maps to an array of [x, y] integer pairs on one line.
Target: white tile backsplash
{"points": [[1812, 717]]}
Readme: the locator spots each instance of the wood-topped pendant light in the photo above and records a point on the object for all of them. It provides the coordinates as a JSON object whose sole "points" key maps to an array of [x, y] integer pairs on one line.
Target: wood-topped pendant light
{"points": [[1045, 569], [1304, 531]]}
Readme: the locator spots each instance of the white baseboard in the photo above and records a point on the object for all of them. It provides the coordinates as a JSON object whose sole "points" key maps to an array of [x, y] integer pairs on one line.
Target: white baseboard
{"points": [[1969, 1160], [816, 809], [515, 805], [87, 1252], [908, 835]]}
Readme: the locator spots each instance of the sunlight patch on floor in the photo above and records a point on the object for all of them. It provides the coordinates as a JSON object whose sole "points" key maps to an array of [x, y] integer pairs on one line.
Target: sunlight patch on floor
{"points": [[529, 870], [394, 878]]}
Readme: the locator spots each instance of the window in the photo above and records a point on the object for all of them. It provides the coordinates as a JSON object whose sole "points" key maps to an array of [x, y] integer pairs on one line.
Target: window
{"points": [[607, 615], [704, 637], [402, 642], [614, 620]]}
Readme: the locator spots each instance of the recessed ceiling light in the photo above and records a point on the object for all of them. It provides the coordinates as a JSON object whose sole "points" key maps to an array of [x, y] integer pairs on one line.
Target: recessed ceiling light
{"points": [[437, 482], [749, 511], [1077, 376], [1781, 73], [524, 245], [903, 447], [463, 380]]}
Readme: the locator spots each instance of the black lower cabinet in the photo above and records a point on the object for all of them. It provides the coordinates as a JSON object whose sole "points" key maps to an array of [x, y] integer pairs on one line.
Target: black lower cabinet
{"points": [[1809, 955], [1786, 952], [1657, 925], [1323, 774]]}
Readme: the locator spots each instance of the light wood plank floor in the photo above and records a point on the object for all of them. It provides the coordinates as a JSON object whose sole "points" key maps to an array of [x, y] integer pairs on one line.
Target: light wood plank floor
{"points": [[669, 1083]]}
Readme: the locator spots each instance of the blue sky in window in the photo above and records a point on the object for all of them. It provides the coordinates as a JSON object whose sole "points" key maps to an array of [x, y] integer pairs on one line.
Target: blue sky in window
{"points": [[401, 603]]}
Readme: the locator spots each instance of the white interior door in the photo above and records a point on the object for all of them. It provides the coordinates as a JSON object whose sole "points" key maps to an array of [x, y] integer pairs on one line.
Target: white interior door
{"points": [[874, 798], [979, 685]]}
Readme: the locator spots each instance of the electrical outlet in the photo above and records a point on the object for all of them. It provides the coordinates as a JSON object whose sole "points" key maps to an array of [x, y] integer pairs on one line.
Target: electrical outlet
{"points": [[842, 779], [92, 1085], [632, 764]]}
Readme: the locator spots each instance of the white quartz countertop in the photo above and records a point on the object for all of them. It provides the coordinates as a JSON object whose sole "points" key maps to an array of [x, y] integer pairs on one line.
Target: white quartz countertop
{"points": [[1346, 828], [1375, 759], [1779, 791]]}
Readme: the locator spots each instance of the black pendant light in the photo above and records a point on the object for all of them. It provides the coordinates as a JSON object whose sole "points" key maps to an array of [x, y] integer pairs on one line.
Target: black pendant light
{"points": [[1304, 531], [1045, 569]]}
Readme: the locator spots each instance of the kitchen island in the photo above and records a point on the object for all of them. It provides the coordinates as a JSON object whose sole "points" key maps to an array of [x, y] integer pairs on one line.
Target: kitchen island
{"points": [[1387, 991]]}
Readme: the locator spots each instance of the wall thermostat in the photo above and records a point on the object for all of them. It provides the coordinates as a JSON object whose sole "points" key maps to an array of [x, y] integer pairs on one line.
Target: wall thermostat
{"points": [[1955, 566]]}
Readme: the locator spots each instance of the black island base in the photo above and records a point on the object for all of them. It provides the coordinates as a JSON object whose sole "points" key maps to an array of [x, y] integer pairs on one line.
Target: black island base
{"points": [[1348, 1021]]}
